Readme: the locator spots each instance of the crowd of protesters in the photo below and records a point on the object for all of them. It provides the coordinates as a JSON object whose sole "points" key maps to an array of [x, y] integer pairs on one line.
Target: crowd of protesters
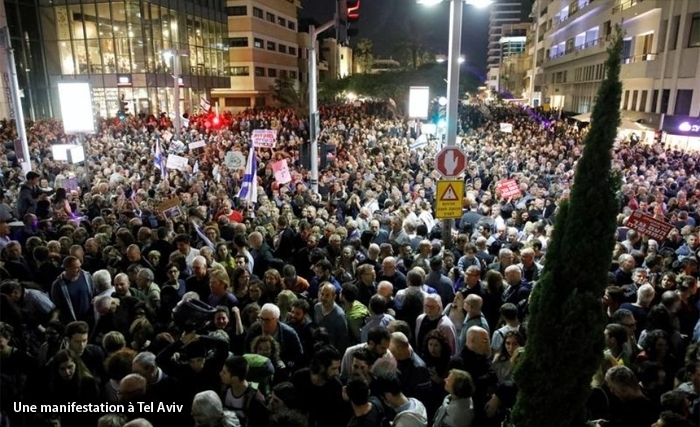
{"points": [[165, 300]]}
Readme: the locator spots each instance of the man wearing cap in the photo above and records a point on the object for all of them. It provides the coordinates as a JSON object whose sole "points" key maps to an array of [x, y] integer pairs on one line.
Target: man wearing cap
{"points": [[28, 195]]}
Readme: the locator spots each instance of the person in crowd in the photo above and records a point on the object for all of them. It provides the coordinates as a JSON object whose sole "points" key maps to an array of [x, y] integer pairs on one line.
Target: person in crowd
{"points": [[378, 342], [269, 324], [410, 412], [458, 408], [240, 396], [433, 319], [329, 315]]}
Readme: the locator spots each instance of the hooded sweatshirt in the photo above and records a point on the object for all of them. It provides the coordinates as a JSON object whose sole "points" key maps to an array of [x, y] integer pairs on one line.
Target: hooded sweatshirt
{"points": [[412, 414]]}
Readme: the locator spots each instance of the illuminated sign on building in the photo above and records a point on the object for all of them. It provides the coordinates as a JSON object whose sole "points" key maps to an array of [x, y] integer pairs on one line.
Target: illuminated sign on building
{"points": [[682, 125]]}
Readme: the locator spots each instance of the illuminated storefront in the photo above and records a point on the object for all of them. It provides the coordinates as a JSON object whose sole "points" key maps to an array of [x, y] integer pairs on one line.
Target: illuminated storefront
{"points": [[118, 48], [681, 132]]}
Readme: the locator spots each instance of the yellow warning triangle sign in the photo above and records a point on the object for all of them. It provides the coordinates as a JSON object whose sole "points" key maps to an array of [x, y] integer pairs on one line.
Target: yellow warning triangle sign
{"points": [[450, 195]]}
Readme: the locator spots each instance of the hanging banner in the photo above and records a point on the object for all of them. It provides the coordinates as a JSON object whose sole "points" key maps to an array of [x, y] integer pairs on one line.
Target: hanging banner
{"points": [[263, 138], [281, 170]]}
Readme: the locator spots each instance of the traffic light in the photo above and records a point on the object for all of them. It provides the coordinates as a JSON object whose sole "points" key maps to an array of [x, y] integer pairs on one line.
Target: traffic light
{"points": [[348, 12], [123, 109]]}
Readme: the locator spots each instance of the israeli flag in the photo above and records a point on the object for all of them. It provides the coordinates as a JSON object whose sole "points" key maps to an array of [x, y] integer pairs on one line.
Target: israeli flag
{"points": [[159, 161], [203, 236], [249, 188], [205, 104]]}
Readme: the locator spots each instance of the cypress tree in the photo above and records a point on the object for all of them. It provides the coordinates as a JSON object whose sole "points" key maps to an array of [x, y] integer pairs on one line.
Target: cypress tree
{"points": [[565, 329]]}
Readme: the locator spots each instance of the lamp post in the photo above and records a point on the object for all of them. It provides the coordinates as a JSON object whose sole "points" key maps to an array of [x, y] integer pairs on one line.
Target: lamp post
{"points": [[175, 54], [453, 62]]}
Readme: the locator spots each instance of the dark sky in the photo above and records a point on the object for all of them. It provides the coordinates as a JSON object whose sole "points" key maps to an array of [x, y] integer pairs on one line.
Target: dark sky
{"points": [[387, 22]]}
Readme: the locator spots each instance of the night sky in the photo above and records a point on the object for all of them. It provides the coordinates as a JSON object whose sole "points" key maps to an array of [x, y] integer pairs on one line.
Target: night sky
{"points": [[387, 22]]}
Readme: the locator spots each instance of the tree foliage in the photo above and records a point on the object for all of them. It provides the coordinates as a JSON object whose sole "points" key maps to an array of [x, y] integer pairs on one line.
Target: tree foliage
{"points": [[289, 93], [565, 339], [364, 55], [410, 48], [396, 84]]}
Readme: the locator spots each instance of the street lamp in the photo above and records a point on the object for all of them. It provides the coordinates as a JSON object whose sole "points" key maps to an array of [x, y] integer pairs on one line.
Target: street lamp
{"points": [[454, 59], [456, 10], [175, 55]]}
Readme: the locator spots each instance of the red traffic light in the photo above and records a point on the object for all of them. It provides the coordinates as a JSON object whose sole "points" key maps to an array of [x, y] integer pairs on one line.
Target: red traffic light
{"points": [[353, 10]]}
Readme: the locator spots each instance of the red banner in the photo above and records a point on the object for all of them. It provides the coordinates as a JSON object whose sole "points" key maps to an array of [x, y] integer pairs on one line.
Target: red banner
{"points": [[647, 224], [508, 188]]}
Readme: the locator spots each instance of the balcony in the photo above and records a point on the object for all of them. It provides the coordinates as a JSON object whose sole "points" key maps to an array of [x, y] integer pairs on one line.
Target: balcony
{"points": [[642, 66], [598, 43], [624, 5], [575, 8]]}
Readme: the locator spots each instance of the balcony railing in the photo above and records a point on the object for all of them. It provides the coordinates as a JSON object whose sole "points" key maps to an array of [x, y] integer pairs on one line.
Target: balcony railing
{"points": [[624, 5], [640, 58], [574, 8], [584, 46]]}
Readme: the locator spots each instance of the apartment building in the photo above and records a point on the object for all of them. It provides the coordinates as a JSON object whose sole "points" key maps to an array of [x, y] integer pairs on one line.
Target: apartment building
{"points": [[262, 47], [502, 13], [661, 57]]}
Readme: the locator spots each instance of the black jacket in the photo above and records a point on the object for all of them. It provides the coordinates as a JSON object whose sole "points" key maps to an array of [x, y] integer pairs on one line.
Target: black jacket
{"points": [[291, 351]]}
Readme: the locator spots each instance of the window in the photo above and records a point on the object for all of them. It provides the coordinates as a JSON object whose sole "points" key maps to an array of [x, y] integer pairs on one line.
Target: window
{"points": [[292, 51], [259, 72], [675, 26], [694, 38], [259, 43], [665, 97], [282, 48], [664, 27], [293, 75], [281, 21], [271, 46], [237, 11], [654, 100], [271, 72], [259, 101], [643, 101], [292, 25], [284, 74], [683, 100], [270, 17], [237, 102], [258, 13], [607, 28], [240, 71], [635, 95], [624, 106], [238, 42]]}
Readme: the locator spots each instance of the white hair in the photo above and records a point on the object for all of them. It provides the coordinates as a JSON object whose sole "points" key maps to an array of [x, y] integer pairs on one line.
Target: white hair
{"points": [[436, 298], [103, 302], [271, 309], [102, 280], [400, 338], [199, 260]]}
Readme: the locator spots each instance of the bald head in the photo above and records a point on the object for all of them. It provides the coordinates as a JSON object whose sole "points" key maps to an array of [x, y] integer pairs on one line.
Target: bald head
{"points": [[399, 346], [478, 340]]}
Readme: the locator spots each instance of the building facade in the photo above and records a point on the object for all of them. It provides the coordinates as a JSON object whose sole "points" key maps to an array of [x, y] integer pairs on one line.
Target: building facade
{"points": [[263, 47], [121, 48], [22, 19], [503, 12], [661, 55]]}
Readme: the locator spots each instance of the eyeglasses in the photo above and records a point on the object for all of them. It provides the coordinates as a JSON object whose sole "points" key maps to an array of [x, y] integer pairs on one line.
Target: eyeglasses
{"points": [[265, 320]]}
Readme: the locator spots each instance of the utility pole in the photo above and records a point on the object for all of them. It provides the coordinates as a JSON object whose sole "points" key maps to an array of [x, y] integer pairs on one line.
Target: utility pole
{"points": [[16, 99], [455, 37], [314, 119]]}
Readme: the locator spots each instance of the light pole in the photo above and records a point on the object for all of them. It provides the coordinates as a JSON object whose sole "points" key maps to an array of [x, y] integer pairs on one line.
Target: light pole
{"points": [[453, 62], [175, 54], [314, 119]]}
